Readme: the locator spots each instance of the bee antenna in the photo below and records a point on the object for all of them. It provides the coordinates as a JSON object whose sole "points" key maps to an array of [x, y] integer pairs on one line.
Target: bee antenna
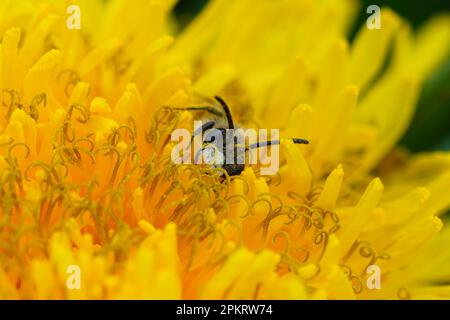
{"points": [[227, 112], [274, 142]]}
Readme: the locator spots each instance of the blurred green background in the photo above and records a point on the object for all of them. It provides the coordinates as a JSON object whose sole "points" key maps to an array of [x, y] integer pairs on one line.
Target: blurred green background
{"points": [[430, 128]]}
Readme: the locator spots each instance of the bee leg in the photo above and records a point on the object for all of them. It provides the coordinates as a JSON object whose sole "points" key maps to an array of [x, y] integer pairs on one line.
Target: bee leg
{"points": [[227, 111], [206, 126]]}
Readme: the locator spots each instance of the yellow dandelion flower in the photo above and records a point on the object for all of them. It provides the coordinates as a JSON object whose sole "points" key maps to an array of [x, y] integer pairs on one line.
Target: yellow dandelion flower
{"points": [[92, 207]]}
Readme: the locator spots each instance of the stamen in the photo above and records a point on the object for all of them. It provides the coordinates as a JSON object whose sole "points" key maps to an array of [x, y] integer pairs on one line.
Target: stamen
{"points": [[18, 144], [73, 79], [35, 102], [321, 237], [288, 240], [249, 210]]}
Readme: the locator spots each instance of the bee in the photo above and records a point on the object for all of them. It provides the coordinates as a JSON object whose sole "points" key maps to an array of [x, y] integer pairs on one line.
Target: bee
{"points": [[215, 153]]}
